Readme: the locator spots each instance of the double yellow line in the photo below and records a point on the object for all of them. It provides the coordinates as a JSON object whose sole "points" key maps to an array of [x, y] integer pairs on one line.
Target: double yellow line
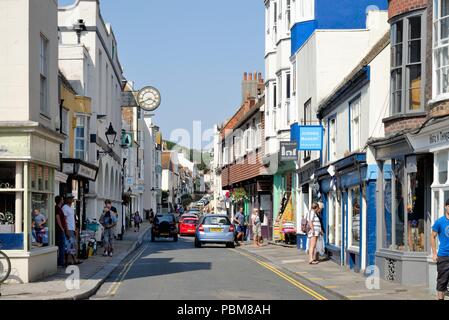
{"points": [[286, 277], [118, 281]]}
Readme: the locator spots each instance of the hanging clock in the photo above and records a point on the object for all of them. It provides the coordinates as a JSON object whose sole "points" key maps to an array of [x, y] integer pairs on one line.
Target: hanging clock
{"points": [[149, 98]]}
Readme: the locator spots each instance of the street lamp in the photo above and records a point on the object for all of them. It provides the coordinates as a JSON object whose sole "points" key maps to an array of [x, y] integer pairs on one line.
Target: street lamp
{"points": [[111, 135]]}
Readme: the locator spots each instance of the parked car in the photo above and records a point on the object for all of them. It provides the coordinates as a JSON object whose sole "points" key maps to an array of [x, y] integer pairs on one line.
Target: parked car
{"points": [[216, 229], [187, 225], [164, 226]]}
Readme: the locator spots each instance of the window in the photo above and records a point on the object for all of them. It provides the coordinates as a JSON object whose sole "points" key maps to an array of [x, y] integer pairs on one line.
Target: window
{"points": [[65, 130], [81, 132], [354, 108], [44, 106], [288, 15], [259, 135], [334, 227], [354, 209], [441, 47], [307, 121], [332, 139], [406, 64], [288, 86], [294, 78]]}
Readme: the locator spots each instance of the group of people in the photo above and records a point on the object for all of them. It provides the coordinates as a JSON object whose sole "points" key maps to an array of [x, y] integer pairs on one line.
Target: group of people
{"points": [[241, 227], [66, 230]]}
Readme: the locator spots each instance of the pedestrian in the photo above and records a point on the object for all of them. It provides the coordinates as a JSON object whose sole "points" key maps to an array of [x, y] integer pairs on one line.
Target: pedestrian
{"points": [[151, 216], [257, 227], [239, 220], [315, 231], [70, 243], [39, 223], [441, 230], [137, 221], [62, 233], [109, 221]]}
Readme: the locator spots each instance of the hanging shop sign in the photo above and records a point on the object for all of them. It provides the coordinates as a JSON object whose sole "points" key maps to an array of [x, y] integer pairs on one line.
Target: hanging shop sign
{"points": [[288, 151], [309, 138], [78, 168]]}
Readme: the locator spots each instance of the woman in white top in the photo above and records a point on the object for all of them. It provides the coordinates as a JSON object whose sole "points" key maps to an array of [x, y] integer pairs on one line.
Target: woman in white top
{"points": [[315, 230]]}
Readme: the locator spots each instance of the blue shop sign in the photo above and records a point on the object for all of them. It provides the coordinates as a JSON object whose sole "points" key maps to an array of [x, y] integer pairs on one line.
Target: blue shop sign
{"points": [[309, 138]]}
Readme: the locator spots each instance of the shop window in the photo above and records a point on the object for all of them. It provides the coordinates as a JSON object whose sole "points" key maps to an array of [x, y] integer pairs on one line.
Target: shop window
{"points": [[334, 228], [354, 210], [40, 205], [387, 218], [442, 163], [11, 191], [415, 211], [398, 205]]}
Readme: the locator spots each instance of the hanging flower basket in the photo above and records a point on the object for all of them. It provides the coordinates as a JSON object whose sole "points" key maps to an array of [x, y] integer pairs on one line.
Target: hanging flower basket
{"points": [[239, 195]]}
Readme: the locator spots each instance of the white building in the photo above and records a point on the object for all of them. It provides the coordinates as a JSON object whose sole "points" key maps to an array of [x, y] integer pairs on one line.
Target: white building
{"points": [[29, 141], [89, 60]]}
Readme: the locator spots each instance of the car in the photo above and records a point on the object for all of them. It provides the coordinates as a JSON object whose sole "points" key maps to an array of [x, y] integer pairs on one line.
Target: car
{"points": [[187, 225], [216, 229], [164, 226]]}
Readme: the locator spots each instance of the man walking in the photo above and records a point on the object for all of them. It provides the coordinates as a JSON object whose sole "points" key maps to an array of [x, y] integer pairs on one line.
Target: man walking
{"points": [[441, 230], [108, 220], [61, 230], [239, 220], [70, 245]]}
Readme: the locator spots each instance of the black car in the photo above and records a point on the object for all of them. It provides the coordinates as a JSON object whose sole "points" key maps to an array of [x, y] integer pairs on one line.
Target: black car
{"points": [[164, 226]]}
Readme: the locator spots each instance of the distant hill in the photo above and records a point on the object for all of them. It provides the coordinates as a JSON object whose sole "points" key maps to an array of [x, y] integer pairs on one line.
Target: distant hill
{"points": [[201, 158]]}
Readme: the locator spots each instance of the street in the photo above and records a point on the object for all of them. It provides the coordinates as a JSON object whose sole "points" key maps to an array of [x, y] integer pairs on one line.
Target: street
{"points": [[178, 271]]}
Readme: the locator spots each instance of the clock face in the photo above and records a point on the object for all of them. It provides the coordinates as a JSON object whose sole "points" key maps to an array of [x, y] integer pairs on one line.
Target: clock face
{"points": [[149, 98]]}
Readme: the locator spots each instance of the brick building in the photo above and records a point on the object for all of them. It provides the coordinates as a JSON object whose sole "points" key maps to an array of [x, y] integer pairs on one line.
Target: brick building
{"points": [[243, 174], [413, 157]]}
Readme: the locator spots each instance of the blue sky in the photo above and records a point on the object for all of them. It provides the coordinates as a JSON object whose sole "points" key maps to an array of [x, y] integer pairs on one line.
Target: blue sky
{"points": [[194, 51]]}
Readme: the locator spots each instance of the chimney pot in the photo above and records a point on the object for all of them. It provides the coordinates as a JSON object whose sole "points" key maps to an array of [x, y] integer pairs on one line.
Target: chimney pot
{"points": [[250, 77], [245, 76]]}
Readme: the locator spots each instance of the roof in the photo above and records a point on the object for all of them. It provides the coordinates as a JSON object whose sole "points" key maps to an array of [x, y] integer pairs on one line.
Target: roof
{"points": [[165, 160]]}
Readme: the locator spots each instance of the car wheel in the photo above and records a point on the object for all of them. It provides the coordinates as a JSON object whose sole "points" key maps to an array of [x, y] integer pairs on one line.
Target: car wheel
{"points": [[197, 243], [175, 238], [230, 245]]}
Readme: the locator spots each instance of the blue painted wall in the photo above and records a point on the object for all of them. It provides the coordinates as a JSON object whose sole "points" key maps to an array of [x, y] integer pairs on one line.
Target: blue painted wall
{"points": [[332, 14]]}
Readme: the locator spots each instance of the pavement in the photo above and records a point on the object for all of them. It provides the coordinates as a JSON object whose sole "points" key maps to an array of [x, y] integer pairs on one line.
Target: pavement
{"points": [[165, 270], [333, 278], [93, 272]]}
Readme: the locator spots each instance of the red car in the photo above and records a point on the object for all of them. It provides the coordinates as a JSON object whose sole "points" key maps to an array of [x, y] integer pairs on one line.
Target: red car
{"points": [[187, 225]]}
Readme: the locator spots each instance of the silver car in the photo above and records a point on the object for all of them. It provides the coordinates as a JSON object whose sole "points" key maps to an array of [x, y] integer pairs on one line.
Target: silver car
{"points": [[214, 228]]}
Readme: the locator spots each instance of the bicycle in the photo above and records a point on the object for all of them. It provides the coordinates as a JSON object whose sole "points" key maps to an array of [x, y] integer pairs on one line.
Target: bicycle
{"points": [[5, 266]]}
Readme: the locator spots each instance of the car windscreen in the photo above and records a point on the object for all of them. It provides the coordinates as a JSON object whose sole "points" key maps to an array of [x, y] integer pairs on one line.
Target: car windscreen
{"points": [[165, 218], [190, 221], [216, 221]]}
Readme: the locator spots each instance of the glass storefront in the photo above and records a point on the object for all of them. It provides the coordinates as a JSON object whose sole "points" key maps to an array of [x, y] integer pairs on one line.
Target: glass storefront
{"points": [[11, 197], [354, 215], [334, 226]]}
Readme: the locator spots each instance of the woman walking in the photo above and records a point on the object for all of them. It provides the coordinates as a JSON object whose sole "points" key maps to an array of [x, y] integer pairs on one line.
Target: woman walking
{"points": [[314, 232], [257, 227]]}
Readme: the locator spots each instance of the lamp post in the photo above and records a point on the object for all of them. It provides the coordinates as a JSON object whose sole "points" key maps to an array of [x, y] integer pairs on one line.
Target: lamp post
{"points": [[111, 135]]}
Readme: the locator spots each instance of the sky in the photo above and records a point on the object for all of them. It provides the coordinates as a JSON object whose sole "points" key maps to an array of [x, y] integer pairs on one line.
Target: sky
{"points": [[195, 52]]}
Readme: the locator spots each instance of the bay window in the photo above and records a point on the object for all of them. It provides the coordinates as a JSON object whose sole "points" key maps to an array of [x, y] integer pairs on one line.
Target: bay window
{"points": [[441, 47], [407, 56]]}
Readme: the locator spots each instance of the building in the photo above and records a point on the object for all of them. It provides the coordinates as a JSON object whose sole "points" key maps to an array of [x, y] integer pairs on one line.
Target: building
{"points": [[413, 157], [244, 177], [320, 27], [88, 57], [29, 134], [74, 162], [170, 180], [351, 115]]}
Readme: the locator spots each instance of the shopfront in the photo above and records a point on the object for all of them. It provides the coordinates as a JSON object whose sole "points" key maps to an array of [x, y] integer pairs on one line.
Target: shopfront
{"points": [[433, 139], [404, 219], [28, 162], [348, 189]]}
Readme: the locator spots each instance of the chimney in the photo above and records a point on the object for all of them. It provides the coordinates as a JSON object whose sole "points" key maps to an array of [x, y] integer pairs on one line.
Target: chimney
{"points": [[250, 85]]}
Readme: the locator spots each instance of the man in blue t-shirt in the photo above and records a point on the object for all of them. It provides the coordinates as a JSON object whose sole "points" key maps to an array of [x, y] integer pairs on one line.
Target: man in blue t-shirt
{"points": [[441, 230]]}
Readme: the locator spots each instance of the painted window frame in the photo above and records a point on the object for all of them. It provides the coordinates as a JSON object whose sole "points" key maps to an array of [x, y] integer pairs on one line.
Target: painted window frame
{"points": [[401, 89], [353, 146], [44, 58], [439, 46]]}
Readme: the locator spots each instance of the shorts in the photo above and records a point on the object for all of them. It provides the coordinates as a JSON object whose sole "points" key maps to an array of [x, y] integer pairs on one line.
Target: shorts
{"points": [[70, 243], [241, 229], [109, 237], [443, 274], [257, 231]]}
